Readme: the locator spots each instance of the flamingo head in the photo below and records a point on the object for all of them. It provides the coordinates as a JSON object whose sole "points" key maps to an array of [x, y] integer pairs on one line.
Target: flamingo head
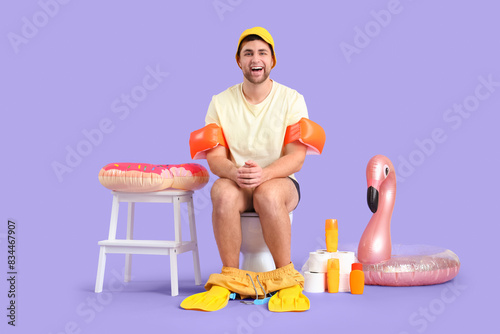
{"points": [[379, 168]]}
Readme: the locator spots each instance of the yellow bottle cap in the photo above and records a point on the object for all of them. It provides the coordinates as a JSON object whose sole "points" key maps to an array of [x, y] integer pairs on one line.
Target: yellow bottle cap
{"points": [[333, 264], [331, 224]]}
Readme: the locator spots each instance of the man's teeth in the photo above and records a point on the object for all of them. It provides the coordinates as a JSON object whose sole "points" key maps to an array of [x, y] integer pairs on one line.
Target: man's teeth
{"points": [[257, 68]]}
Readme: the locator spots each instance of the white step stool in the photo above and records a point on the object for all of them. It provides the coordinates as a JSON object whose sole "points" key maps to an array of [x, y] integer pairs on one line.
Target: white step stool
{"points": [[156, 247]]}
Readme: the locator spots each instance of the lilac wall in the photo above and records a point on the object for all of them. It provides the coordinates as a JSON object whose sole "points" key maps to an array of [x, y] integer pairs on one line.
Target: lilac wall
{"points": [[417, 81]]}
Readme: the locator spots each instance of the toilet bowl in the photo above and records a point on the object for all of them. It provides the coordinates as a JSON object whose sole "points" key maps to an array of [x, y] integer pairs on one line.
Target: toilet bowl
{"points": [[256, 254]]}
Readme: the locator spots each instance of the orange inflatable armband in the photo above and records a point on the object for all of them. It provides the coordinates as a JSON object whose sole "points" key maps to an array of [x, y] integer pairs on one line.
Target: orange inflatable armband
{"points": [[204, 139], [308, 133]]}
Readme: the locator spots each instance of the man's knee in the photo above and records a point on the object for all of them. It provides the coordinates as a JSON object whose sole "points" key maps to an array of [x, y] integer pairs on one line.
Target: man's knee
{"points": [[268, 197], [224, 193]]}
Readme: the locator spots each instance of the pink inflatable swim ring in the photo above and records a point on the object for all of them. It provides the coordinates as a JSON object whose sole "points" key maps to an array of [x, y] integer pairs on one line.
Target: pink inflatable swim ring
{"points": [[413, 265], [403, 265], [141, 177]]}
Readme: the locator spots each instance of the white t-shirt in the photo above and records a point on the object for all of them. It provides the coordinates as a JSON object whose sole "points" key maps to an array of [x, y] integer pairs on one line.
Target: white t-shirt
{"points": [[256, 132]]}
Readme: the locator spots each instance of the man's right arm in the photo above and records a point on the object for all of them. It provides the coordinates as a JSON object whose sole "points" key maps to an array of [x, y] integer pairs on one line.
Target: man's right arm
{"points": [[220, 164]]}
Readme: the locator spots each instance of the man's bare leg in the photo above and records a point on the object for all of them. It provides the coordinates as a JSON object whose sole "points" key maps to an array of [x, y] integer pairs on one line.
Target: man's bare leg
{"points": [[229, 201], [273, 200]]}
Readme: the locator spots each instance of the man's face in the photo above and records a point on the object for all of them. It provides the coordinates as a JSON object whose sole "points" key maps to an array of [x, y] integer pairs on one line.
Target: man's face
{"points": [[256, 61]]}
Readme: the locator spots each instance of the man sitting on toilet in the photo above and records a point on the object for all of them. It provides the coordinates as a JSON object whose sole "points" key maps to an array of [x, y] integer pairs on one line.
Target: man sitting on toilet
{"points": [[256, 137]]}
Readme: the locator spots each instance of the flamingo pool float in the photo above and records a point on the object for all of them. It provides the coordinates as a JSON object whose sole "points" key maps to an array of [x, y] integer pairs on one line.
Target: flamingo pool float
{"points": [[407, 265]]}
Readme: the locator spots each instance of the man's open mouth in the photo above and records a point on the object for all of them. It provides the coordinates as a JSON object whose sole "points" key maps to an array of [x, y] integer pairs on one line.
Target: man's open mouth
{"points": [[256, 68]]}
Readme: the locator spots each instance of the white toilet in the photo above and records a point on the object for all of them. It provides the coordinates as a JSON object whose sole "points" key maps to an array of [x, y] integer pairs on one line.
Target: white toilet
{"points": [[256, 255]]}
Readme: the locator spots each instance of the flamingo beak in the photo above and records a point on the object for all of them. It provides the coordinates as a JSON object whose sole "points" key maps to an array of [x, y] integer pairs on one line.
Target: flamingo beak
{"points": [[372, 197]]}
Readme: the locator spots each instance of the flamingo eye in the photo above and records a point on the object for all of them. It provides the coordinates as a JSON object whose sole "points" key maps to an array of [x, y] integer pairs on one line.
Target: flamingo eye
{"points": [[386, 170]]}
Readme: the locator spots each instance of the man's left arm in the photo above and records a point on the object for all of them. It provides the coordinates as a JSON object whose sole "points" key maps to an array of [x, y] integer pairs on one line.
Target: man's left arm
{"points": [[252, 175]]}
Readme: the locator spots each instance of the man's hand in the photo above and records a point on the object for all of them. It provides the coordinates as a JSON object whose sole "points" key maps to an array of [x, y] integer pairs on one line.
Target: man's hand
{"points": [[250, 175]]}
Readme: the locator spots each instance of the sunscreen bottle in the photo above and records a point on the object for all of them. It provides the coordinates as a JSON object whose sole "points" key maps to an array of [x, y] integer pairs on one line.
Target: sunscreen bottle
{"points": [[333, 275], [357, 279], [332, 235]]}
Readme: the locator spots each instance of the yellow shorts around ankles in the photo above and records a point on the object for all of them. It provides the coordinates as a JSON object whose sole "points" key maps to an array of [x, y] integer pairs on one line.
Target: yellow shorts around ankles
{"points": [[238, 281]]}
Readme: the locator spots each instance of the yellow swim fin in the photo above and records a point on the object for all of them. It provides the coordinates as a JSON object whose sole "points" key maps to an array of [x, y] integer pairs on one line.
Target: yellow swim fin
{"points": [[211, 300], [289, 300]]}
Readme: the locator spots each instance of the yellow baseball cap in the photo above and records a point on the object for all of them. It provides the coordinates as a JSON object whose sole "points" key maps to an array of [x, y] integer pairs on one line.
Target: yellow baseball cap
{"points": [[262, 33]]}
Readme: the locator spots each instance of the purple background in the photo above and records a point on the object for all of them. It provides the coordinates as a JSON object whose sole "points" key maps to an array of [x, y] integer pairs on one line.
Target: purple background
{"points": [[64, 77]]}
